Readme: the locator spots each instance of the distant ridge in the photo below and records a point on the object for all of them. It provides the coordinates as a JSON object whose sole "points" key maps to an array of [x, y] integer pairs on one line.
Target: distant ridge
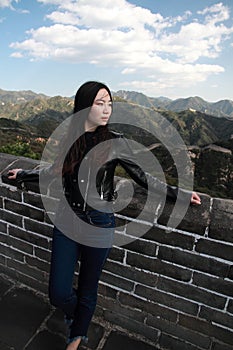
{"points": [[19, 96], [26, 126], [222, 108]]}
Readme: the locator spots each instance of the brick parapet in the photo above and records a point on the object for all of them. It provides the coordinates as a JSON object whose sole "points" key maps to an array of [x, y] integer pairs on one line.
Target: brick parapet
{"points": [[173, 287]]}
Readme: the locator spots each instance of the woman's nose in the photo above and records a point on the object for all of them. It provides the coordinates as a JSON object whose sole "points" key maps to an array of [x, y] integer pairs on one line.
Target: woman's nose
{"points": [[107, 108]]}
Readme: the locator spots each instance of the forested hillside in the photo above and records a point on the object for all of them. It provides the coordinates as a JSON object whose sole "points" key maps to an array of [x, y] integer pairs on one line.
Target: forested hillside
{"points": [[26, 125]]}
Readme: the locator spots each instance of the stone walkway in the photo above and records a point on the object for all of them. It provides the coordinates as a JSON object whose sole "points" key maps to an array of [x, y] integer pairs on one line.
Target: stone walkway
{"points": [[28, 322]]}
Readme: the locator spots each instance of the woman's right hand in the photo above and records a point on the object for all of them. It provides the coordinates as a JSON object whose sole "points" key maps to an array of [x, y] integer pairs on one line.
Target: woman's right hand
{"points": [[13, 173]]}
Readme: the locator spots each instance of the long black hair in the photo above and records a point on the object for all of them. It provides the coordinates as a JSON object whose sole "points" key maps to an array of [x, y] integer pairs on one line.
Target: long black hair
{"points": [[84, 99]]}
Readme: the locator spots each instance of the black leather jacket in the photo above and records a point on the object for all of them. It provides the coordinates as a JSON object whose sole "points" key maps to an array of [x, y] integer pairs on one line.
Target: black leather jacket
{"points": [[87, 188]]}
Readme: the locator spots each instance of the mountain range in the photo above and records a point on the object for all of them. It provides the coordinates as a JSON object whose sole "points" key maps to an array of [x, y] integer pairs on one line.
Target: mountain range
{"points": [[222, 108], [27, 120], [38, 115]]}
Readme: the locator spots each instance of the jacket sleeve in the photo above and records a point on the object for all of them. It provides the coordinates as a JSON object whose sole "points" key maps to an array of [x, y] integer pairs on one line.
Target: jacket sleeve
{"points": [[127, 160], [33, 175]]}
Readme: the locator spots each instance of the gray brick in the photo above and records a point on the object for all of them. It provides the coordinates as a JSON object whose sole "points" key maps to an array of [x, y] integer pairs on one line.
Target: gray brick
{"points": [[42, 254], [33, 199], [24, 210], [168, 342], [174, 302], [132, 325], [142, 247], [131, 273], [222, 318], [230, 273], [32, 186], [137, 205], [117, 254], [3, 227], [28, 281], [38, 227], [218, 284], [7, 192], [39, 264], [119, 309], [20, 245], [6, 160], [221, 346], [221, 216], [206, 328], [182, 333], [230, 306], [2, 260], [157, 266], [172, 238], [216, 249], [4, 238], [12, 253], [154, 309], [117, 281], [28, 270], [33, 283], [49, 219], [5, 285], [11, 218], [194, 261], [195, 294], [107, 291], [30, 237], [120, 223], [196, 219]]}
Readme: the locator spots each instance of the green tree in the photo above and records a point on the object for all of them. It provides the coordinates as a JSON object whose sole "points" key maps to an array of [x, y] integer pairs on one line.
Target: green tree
{"points": [[20, 149]]}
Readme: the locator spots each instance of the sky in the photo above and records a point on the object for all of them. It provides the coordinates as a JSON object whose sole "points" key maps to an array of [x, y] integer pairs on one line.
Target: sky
{"points": [[170, 48]]}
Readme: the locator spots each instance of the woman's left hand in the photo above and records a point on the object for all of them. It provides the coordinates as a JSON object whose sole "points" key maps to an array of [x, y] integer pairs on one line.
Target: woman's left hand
{"points": [[195, 199]]}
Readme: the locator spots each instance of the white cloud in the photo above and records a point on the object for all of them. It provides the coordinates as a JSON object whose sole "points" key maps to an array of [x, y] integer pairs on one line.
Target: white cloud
{"points": [[132, 38], [7, 3], [17, 55]]}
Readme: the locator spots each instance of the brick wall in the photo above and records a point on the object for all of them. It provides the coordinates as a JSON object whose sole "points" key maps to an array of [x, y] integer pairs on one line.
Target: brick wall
{"points": [[174, 288]]}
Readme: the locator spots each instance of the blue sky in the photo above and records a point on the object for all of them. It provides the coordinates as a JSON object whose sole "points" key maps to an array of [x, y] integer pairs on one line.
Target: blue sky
{"points": [[172, 48]]}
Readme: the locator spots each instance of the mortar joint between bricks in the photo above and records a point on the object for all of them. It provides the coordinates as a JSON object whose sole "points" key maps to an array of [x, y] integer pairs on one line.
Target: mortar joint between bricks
{"points": [[199, 310], [191, 278], [195, 243], [206, 234], [23, 223], [226, 304], [125, 258]]}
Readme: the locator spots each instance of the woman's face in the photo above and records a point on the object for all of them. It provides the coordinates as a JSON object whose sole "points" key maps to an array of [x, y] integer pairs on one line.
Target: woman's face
{"points": [[100, 111]]}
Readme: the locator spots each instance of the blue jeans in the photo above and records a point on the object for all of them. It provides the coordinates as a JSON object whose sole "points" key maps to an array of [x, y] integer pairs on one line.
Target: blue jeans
{"points": [[78, 304]]}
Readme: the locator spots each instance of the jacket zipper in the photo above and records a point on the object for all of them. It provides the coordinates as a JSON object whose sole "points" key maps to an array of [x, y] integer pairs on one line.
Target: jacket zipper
{"points": [[102, 186], [86, 192]]}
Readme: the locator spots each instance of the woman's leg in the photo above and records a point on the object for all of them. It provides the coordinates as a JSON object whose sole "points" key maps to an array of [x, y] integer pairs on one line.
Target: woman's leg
{"points": [[92, 262], [64, 257]]}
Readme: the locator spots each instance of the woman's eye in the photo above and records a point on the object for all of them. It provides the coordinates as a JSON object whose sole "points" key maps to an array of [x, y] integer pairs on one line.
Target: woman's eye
{"points": [[101, 104]]}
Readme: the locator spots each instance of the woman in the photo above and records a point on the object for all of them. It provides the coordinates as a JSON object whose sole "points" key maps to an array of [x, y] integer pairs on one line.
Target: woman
{"points": [[93, 107]]}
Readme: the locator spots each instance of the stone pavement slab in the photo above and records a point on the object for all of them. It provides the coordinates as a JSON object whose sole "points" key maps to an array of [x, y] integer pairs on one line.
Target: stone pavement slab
{"points": [[22, 312], [29, 322], [118, 341]]}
